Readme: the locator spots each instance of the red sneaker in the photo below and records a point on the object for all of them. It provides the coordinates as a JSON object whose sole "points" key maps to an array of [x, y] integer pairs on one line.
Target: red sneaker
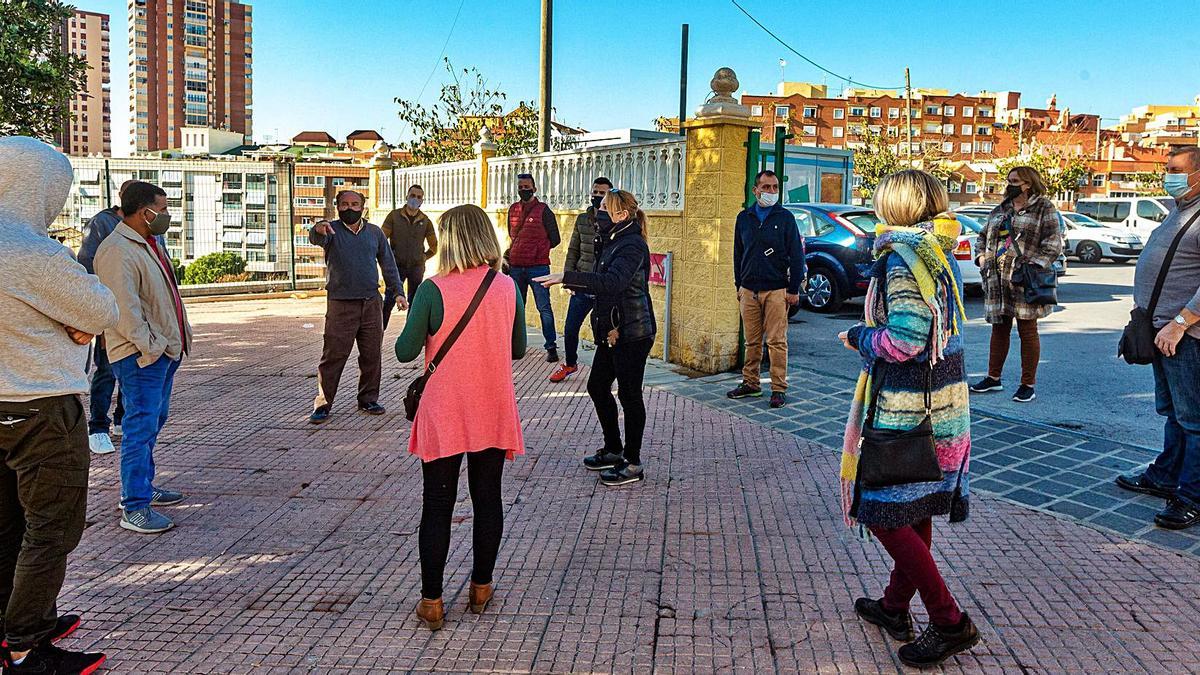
{"points": [[564, 371]]}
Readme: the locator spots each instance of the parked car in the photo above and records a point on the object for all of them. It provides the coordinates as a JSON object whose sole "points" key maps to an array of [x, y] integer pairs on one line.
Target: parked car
{"points": [[1090, 240], [1140, 214], [964, 252], [838, 239], [980, 213]]}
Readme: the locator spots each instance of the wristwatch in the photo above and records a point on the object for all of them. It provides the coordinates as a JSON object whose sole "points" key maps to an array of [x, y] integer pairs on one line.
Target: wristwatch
{"points": [[1181, 321]]}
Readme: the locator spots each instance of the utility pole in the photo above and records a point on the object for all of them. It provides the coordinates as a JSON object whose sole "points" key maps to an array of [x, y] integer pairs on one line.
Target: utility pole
{"points": [[908, 114], [683, 68], [546, 75]]}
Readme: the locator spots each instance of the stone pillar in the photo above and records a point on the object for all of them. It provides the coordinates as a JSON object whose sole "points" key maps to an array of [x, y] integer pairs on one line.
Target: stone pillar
{"points": [[381, 163], [705, 307], [485, 149]]}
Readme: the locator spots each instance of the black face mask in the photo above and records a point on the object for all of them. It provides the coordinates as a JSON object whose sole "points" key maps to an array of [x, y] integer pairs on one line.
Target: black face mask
{"points": [[350, 216], [1012, 192], [604, 222], [526, 195], [596, 202]]}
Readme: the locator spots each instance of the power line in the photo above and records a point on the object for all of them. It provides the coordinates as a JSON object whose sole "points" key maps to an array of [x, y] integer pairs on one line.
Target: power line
{"points": [[443, 54], [810, 61]]}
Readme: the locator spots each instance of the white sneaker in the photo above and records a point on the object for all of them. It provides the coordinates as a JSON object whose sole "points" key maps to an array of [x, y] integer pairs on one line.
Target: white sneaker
{"points": [[101, 444], [116, 430]]}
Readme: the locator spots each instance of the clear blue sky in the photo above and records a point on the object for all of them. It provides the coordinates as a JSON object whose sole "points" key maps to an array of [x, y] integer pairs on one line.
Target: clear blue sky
{"points": [[337, 66]]}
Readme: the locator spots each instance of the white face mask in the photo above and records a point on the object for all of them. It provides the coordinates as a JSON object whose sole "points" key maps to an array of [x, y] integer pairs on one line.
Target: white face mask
{"points": [[768, 199]]}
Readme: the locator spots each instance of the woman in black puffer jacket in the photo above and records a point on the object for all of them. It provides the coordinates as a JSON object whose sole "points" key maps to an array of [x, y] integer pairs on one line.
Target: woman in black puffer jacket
{"points": [[624, 328]]}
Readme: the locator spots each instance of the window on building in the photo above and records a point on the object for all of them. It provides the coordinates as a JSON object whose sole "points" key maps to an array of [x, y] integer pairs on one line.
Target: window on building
{"points": [[839, 113], [893, 113], [310, 202], [756, 111], [810, 111], [948, 147], [953, 186], [893, 131], [311, 181], [839, 132], [857, 111], [964, 148], [985, 112], [781, 111], [810, 130], [1098, 180], [948, 129], [965, 129], [933, 109], [971, 187], [876, 111], [968, 111], [983, 131], [948, 111], [985, 146]]}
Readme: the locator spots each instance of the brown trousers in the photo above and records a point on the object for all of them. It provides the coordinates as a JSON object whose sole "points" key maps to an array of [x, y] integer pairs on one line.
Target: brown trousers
{"points": [[765, 312], [348, 322], [1031, 348]]}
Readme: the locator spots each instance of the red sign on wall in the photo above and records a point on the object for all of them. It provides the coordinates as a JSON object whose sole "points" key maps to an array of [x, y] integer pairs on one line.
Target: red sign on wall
{"points": [[658, 269]]}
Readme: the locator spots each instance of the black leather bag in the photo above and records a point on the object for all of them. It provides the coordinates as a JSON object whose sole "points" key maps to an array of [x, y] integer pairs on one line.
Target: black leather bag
{"points": [[412, 398], [1040, 285], [889, 457], [1137, 340]]}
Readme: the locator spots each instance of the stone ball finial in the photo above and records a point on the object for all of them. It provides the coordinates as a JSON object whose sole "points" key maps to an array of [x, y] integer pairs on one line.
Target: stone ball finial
{"points": [[485, 134], [486, 143], [724, 83]]}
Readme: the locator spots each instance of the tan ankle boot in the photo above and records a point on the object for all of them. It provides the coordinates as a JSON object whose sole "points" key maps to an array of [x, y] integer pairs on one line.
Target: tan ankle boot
{"points": [[432, 612], [481, 595]]}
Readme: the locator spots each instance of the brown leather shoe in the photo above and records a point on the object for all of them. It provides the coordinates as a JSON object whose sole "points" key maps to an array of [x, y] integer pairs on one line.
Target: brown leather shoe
{"points": [[481, 595], [432, 612]]}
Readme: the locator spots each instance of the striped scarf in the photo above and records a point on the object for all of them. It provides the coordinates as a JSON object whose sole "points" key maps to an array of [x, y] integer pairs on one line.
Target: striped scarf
{"points": [[923, 248]]}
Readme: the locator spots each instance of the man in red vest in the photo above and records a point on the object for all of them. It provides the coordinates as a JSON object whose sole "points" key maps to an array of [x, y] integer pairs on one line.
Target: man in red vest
{"points": [[533, 231]]}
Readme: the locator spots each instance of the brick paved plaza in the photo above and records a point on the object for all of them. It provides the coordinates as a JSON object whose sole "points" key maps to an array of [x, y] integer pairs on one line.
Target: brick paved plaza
{"points": [[296, 548]]}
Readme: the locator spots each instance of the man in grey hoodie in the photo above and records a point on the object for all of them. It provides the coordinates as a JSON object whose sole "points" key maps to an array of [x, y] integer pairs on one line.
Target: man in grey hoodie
{"points": [[52, 308]]}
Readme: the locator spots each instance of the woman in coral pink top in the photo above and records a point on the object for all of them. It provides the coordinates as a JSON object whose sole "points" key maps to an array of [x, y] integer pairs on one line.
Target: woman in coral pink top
{"points": [[469, 406]]}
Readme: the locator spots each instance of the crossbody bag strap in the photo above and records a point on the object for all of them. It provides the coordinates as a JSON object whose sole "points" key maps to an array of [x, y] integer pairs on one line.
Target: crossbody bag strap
{"points": [[462, 322], [1166, 266]]}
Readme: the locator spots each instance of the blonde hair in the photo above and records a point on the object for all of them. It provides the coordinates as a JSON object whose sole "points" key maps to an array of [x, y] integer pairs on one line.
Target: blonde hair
{"points": [[908, 197], [467, 240], [620, 200]]}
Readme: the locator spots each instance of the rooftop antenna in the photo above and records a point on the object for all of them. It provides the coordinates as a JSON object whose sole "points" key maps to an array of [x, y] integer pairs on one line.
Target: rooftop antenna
{"points": [[782, 70]]}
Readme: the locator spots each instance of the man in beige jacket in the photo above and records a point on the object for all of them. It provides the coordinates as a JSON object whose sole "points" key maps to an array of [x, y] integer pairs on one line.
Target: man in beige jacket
{"points": [[145, 348]]}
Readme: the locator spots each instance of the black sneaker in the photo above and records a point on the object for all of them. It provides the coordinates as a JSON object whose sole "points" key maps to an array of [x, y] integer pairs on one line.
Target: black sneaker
{"points": [[744, 390], [623, 474], [552, 355], [1179, 515], [602, 460], [1024, 394], [987, 384], [50, 660], [1138, 482], [66, 624], [938, 644], [319, 416], [899, 626], [778, 399]]}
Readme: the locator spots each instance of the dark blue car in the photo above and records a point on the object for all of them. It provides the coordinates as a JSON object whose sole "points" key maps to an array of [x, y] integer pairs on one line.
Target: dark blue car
{"points": [[837, 240]]}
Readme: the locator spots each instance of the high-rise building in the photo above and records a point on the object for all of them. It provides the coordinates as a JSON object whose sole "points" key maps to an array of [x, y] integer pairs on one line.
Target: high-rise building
{"points": [[190, 66], [88, 130]]}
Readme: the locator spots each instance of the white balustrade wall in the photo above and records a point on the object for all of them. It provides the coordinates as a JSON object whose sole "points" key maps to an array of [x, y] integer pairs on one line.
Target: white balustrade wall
{"points": [[446, 185], [652, 171]]}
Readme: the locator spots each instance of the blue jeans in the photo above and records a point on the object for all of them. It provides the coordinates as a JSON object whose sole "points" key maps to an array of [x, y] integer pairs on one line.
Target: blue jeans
{"points": [[577, 310], [1177, 397], [101, 394], [146, 393], [524, 277]]}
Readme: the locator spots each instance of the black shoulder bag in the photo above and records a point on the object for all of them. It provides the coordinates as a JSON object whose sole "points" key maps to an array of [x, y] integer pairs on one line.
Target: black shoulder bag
{"points": [[1137, 340], [890, 457], [1039, 284], [412, 399]]}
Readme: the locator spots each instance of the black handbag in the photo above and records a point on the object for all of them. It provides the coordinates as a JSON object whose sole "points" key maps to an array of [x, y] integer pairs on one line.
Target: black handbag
{"points": [[889, 457], [412, 398], [1040, 285], [1137, 340]]}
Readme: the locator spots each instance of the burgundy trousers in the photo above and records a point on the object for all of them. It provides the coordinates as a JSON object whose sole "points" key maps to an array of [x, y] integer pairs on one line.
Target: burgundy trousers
{"points": [[916, 571]]}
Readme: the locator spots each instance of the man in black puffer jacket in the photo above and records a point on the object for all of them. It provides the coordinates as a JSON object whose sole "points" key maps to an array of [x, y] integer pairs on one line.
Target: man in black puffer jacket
{"points": [[768, 271], [581, 257]]}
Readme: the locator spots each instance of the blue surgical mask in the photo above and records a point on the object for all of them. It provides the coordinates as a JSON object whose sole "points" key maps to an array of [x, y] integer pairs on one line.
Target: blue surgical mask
{"points": [[1176, 184]]}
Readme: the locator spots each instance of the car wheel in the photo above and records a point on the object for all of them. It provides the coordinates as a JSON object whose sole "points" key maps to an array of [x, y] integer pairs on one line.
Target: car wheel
{"points": [[822, 293], [1088, 252]]}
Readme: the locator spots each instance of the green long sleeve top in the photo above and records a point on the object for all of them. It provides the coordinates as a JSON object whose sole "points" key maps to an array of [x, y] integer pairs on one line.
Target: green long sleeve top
{"points": [[425, 319]]}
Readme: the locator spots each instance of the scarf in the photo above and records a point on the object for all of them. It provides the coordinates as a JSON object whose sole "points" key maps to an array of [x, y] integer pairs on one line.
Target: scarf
{"points": [[923, 248]]}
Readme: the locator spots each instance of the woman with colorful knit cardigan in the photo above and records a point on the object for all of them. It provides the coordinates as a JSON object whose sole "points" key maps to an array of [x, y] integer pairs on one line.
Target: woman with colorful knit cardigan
{"points": [[911, 340]]}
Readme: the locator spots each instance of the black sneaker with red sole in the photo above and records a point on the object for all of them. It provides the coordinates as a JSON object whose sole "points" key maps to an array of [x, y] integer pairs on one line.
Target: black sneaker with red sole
{"points": [[50, 660], [67, 624]]}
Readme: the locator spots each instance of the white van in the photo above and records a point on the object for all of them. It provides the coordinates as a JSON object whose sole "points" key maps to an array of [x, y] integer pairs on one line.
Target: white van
{"points": [[1139, 214]]}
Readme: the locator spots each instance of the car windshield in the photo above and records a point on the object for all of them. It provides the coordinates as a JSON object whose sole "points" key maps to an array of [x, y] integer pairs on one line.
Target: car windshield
{"points": [[863, 220], [1082, 220]]}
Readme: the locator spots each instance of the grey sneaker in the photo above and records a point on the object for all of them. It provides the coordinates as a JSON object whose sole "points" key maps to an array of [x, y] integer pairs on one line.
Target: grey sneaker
{"points": [[622, 475], [161, 498], [145, 521]]}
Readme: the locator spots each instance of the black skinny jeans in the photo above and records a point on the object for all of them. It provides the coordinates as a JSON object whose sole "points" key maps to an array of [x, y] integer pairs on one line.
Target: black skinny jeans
{"points": [[484, 471], [624, 364]]}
